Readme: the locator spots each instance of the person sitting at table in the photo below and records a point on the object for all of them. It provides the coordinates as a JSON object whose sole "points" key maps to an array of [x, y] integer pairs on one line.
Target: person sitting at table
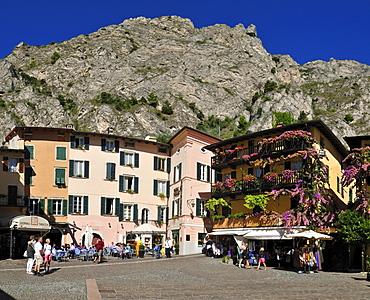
{"points": [[99, 249]]}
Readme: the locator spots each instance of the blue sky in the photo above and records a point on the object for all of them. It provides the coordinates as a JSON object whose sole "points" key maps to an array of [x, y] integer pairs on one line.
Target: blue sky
{"points": [[306, 30]]}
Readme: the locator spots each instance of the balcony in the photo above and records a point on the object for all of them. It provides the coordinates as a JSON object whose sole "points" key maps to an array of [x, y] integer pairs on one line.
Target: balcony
{"points": [[233, 157], [243, 187], [253, 221], [6, 200]]}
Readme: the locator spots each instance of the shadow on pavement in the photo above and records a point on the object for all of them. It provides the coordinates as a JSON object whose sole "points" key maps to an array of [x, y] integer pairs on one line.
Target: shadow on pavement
{"points": [[5, 296]]}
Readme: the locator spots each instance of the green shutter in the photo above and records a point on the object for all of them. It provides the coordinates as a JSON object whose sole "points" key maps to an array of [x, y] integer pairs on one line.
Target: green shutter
{"points": [[117, 207], [71, 168], [50, 207], [64, 207], [87, 167], [168, 189], [208, 173], [155, 163], [29, 152], [86, 142], [155, 187], [113, 171], [70, 204], [103, 144], [86, 205], [120, 218], [61, 153], [159, 212], [168, 165], [42, 206], [102, 205], [166, 220], [5, 164], [28, 175], [60, 176], [73, 142], [197, 207], [198, 171], [180, 166], [116, 146], [136, 185], [122, 158], [136, 213], [108, 171], [136, 163], [120, 183]]}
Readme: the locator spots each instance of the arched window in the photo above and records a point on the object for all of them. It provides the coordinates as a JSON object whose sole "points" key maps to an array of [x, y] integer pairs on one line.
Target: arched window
{"points": [[144, 216]]}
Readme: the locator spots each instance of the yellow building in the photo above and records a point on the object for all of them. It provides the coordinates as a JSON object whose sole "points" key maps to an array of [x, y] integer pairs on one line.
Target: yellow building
{"points": [[273, 160]]}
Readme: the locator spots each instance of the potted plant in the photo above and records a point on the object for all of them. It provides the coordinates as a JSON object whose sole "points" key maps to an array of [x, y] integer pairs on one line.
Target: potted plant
{"points": [[177, 248], [130, 191], [161, 195], [130, 165], [226, 259], [141, 250], [79, 175], [81, 147]]}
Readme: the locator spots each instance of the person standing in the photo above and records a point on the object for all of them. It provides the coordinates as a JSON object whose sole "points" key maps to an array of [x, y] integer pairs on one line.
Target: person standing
{"points": [[261, 258], [30, 257], [99, 249], [157, 248], [47, 256], [38, 256], [168, 247]]}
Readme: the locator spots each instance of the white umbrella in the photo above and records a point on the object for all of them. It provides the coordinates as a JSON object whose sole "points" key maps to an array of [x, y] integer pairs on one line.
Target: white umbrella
{"points": [[88, 236], [309, 234]]}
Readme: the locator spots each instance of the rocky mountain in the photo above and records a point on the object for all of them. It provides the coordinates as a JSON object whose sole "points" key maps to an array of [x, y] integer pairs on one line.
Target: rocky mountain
{"points": [[153, 76]]}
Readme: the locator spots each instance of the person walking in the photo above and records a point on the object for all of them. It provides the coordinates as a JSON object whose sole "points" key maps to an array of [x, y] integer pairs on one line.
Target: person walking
{"points": [[38, 256], [47, 256], [261, 258], [157, 248], [30, 257], [168, 247]]}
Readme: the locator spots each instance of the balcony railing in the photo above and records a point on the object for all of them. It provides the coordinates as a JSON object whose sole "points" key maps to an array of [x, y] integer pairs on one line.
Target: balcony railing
{"points": [[13, 201], [254, 221], [259, 184], [238, 156]]}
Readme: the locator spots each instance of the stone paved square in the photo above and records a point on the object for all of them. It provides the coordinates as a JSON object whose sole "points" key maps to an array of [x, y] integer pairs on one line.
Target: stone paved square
{"points": [[181, 277]]}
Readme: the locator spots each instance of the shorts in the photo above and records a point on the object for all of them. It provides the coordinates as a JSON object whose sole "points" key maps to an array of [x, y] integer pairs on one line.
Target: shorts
{"points": [[39, 260], [100, 252], [261, 260], [48, 257]]}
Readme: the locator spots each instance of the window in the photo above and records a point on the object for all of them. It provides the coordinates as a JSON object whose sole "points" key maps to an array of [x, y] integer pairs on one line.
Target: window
{"points": [[127, 212], [28, 179], [29, 152], [110, 206], [162, 150], [200, 209], [175, 207], [13, 195], [322, 142], [129, 159], [297, 165], [350, 195], [34, 206], [78, 168], [61, 153], [60, 176], [110, 145], [57, 209], [128, 183], [130, 145], [80, 142], [145, 216], [338, 184], [111, 171], [203, 172], [177, 173], [162, 187], [12, 165], [162, 164], [77, 204]]}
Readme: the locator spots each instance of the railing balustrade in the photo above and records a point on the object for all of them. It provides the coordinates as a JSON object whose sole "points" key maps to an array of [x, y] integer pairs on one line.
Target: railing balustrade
{"points": [[13, 201]]}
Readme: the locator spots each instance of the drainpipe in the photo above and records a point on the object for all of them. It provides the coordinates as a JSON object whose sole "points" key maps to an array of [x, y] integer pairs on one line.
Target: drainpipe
{"points": [[11, 243]]}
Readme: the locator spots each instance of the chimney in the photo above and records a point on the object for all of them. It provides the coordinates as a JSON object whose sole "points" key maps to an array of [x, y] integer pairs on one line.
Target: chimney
{"points": [[110, 130], [151, 138], [69, 126]]}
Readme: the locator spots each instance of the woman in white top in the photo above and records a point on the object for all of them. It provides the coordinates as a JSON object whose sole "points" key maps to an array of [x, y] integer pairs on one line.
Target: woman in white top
{"points": [[47, 256]]}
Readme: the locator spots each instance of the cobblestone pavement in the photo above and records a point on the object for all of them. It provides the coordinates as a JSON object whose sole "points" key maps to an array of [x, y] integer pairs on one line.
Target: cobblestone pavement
{"points": [[181, 277]]}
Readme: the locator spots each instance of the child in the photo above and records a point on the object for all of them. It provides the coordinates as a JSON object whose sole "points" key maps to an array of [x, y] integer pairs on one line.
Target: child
{"points": [[261, 259]]}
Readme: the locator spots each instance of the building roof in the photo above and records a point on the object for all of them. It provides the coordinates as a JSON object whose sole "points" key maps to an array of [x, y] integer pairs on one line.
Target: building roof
{"points": [[355, 141], [276, 130], [192, 129]]}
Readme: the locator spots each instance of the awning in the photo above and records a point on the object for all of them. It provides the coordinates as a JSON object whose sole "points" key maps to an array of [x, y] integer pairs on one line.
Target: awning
{"points": [[147, 228], [229, 232], [268, 234], [310, 234], [28, 223]]}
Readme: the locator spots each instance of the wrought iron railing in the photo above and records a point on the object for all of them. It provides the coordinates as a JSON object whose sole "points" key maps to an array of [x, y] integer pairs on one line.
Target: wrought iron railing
{"points": [[13, 201]]}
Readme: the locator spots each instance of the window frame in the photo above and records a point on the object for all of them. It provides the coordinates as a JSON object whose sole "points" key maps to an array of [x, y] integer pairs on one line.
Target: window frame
{"points": [[57, 204], [55, 176]]}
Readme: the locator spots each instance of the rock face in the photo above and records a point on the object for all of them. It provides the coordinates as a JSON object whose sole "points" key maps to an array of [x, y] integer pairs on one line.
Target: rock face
{"points": [[115, 76]]}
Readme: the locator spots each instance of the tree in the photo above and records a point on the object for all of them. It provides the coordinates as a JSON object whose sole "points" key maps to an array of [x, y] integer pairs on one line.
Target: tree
{"points": [[214, 205], [152, 100], [166, 108]]}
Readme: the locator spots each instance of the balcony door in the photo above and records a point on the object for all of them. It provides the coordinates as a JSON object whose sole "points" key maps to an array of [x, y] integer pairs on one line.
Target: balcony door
{"points": [[12, 195]]}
